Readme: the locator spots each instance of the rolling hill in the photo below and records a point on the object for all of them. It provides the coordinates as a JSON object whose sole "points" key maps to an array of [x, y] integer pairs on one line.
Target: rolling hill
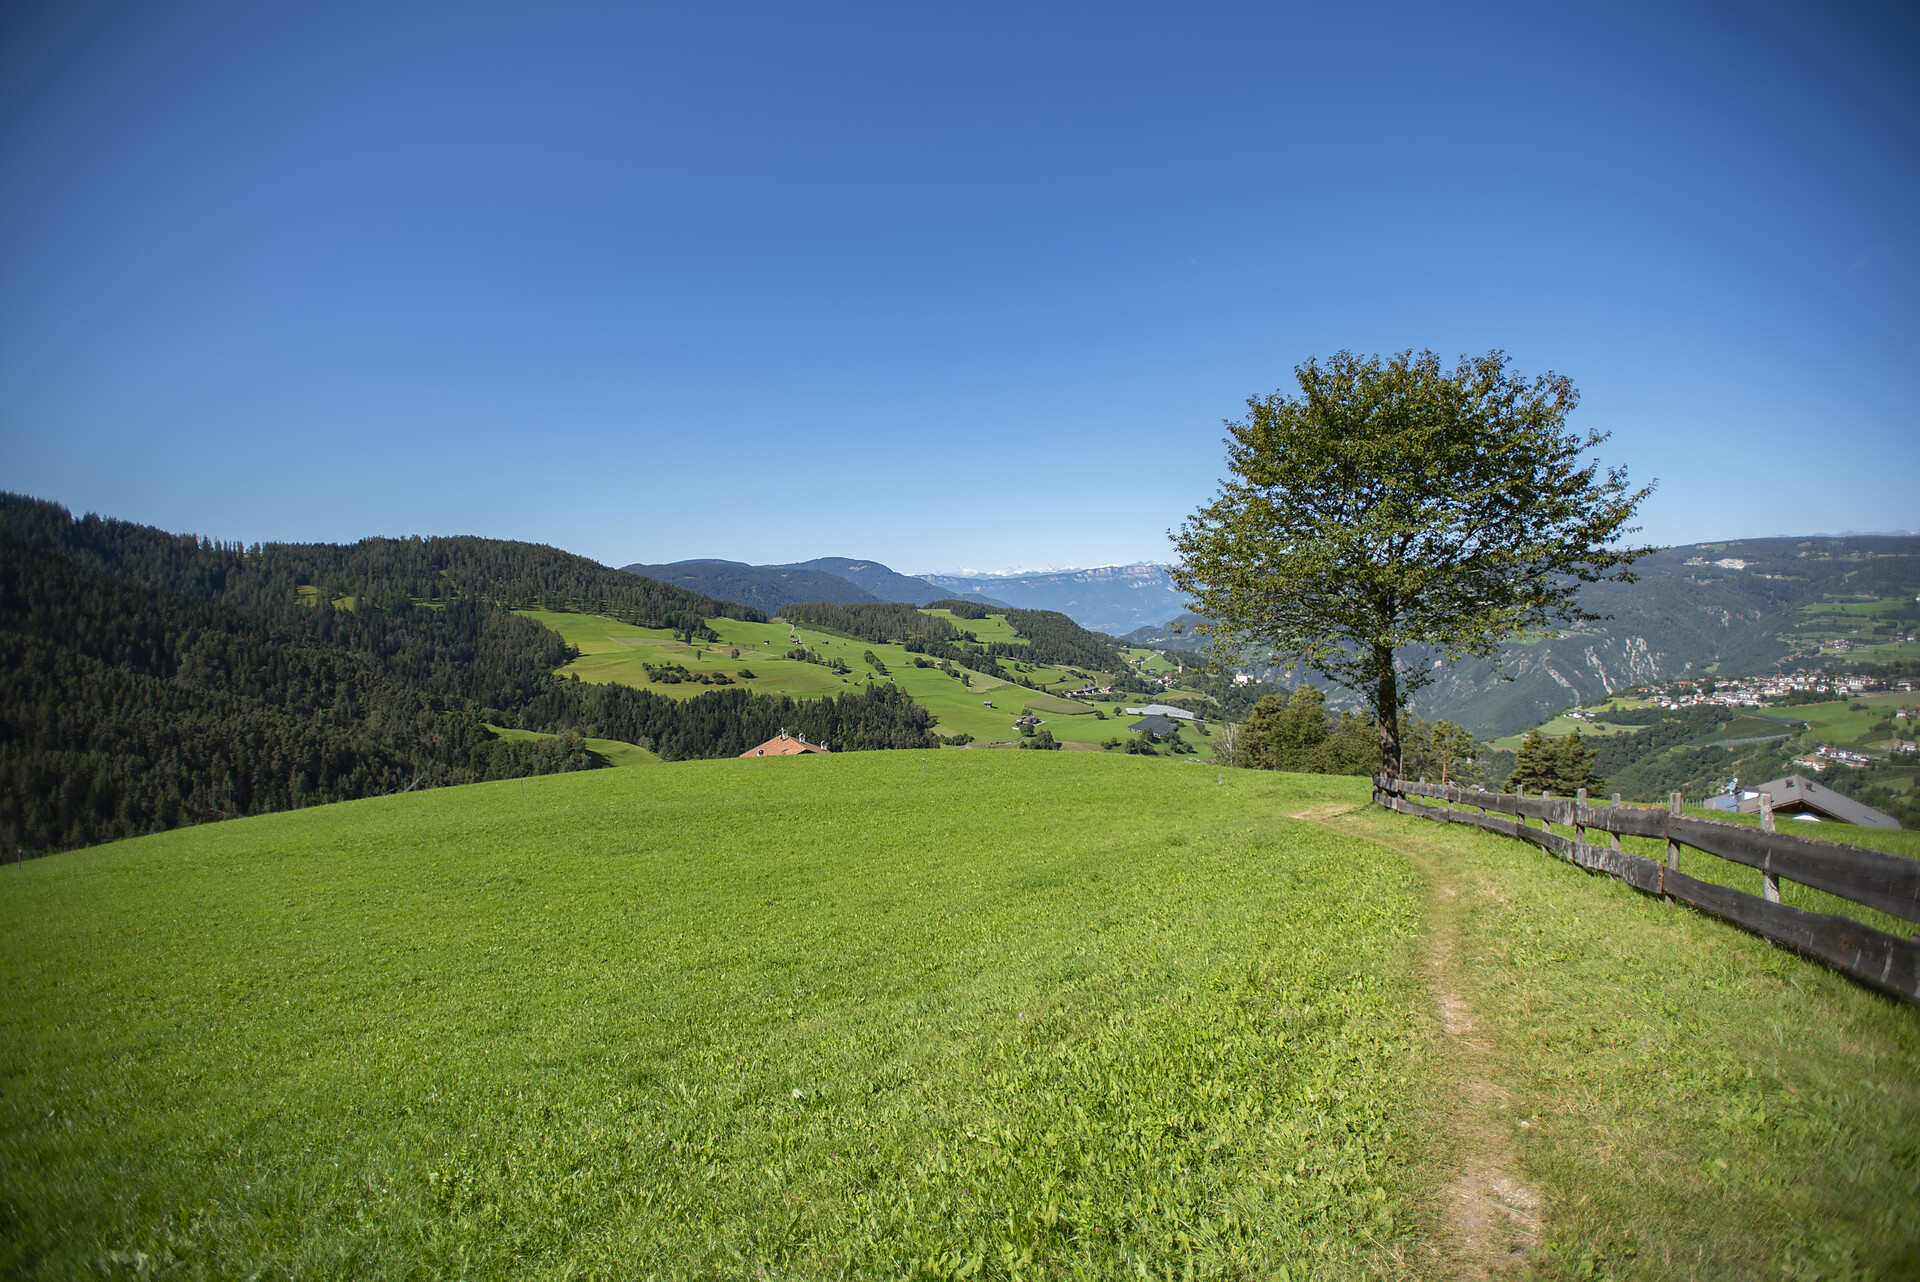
{"points": [[1013, 1014], [763, 587], [155, 680], [870, 576]]}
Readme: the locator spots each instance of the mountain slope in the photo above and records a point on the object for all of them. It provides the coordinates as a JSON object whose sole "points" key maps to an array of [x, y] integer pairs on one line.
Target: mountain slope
{"points": [[871, 576], [1725, 608], [761, 587], [154, 679], [1110, 598]]}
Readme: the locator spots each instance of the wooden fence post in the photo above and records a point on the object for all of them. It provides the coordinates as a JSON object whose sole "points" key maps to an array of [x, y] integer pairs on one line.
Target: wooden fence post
{"points": [[1769, 883], [1673, 847], [1579, 829], [1615, 835]]}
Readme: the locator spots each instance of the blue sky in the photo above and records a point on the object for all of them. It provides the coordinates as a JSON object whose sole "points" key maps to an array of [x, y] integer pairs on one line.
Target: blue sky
{"points": [[941, 286]]}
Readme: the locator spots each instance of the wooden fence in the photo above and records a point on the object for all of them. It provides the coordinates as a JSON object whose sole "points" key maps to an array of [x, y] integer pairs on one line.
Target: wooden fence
{"points": [[1888, 883]]}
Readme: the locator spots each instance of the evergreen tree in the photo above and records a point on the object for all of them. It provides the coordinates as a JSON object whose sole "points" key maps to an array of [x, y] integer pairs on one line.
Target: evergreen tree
{"points": [[1576, 768], [1538, 766]]}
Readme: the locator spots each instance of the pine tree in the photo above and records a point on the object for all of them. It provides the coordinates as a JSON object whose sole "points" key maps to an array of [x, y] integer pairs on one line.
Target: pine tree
{"points": [[1576, 768], [1537, 767]]}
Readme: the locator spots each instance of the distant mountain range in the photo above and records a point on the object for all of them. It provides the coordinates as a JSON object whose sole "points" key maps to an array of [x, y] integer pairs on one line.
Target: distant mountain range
{"points": [[1110, 598], [1721, 608]]}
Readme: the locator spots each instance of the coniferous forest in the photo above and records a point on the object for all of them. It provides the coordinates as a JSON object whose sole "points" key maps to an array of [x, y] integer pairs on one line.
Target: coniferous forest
{"points": [[153, 680]]}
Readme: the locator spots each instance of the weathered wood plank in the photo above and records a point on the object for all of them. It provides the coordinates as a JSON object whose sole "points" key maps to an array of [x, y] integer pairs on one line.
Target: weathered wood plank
{"points": [[1627, 821], [1885, 961], [1890, 883], [1637, 871]]}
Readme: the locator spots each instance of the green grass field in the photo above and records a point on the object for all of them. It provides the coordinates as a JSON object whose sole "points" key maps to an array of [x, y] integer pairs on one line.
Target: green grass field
{"points": [[940, 1014], [1689, 1101], [874, 1015], [1837, 724], [616, 751], [1151, 664], [916, 1014], [616, 652], [1870, 628], [1562, 726]]}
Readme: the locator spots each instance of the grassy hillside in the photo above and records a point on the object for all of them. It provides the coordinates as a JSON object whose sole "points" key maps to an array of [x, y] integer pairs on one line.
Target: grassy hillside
{"points": [[920, 1014], [618, 652], [1686, 1100], [613, 751], [882, 1014]]}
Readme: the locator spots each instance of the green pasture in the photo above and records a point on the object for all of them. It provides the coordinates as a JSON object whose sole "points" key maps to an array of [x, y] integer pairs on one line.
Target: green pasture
{"points": [[1870, 626], [615, 652], [1689, 1100], [872, 1015], [992, 628], [1048, 705], [1838, 725], [617, 752], [1562, 726], [1151, 664]]}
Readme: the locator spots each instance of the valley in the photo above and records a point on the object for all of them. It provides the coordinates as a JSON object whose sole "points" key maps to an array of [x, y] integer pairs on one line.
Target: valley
{"points": [[963, 703]]}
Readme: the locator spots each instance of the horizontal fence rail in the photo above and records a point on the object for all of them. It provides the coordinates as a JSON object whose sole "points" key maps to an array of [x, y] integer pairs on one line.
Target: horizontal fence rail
{"points": [[1887, 883]]}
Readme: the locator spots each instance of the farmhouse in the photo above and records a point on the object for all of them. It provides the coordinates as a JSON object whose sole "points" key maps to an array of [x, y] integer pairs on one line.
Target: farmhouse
{"points": [[1798, 795], [1161, 726], [785, 745]]}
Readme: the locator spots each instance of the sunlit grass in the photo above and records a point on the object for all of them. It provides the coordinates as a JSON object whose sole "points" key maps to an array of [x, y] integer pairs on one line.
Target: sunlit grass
{"points": [[880, 1015]]}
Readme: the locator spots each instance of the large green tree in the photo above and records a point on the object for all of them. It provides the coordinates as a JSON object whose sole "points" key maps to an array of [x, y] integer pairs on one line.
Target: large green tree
{"points": [[1396, 504]]}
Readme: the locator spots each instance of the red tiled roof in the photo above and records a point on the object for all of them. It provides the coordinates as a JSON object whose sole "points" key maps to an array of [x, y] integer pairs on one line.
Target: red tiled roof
{"points": [[783, 745]]}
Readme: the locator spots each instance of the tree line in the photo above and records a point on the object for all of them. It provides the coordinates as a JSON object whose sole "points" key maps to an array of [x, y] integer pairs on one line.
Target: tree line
{"points": [[879, 624], [154, 680]]}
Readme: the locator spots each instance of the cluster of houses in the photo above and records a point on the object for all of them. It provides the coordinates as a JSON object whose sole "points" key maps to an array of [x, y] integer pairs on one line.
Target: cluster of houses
{"points": [[1754, 692], [1823, 756]]}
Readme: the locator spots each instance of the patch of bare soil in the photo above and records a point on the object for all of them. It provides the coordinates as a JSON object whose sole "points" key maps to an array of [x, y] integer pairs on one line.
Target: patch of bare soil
{"points": [[1489, 1215]]}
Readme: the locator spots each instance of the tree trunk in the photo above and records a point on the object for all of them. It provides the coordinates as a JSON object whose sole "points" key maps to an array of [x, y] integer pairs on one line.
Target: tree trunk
{"points": [[1386, 708]]}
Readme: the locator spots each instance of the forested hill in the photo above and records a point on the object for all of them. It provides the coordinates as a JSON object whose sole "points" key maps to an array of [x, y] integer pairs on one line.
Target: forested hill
{"points": [[273, 578], [155, 679], [764, 587]]}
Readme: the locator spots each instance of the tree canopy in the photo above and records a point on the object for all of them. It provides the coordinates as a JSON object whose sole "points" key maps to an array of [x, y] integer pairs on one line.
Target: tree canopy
{"points": [[1394, 505]]}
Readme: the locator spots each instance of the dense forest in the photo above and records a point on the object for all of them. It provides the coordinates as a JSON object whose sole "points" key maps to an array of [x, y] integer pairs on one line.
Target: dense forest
{"points": [[155, 680], [879, 624], [962, 609], [1054, 638]]}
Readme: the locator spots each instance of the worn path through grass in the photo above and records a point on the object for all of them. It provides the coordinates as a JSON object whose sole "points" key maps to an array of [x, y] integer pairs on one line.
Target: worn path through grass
{"points": [[1642, 1091]]}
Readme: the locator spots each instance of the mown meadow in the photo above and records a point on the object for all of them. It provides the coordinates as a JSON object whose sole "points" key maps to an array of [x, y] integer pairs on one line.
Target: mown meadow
{"points": [[873, 1015], [906, 1014]]}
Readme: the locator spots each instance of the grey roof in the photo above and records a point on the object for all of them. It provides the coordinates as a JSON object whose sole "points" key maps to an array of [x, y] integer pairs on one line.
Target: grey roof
{"points": [[1164, 710], [1159, 725], [1797, 792]]}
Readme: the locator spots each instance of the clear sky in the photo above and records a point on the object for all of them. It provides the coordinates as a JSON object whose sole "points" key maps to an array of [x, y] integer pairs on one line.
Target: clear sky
{"points": [[937, 285]]}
